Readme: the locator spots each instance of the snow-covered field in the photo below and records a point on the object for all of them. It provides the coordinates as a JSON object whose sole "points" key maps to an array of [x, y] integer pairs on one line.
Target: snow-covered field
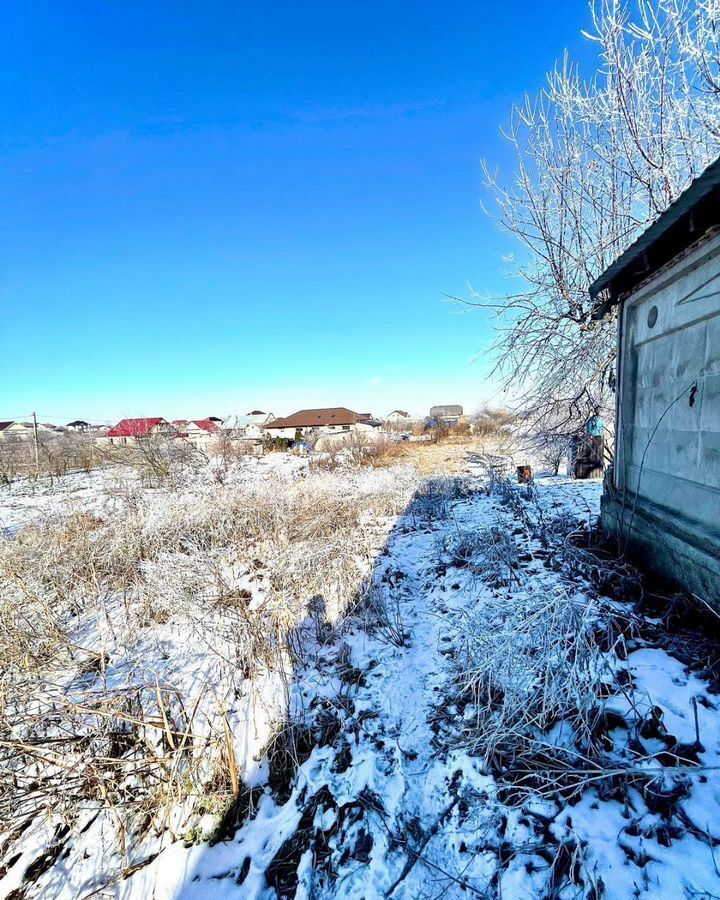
{"points": [[24, 502], [350, 684]]}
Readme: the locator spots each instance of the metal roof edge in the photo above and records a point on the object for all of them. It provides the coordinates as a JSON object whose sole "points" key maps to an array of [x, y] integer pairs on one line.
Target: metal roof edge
{"points": [[696, 191]]}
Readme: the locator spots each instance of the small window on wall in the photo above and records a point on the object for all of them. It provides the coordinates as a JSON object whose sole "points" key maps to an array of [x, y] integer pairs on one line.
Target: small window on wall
{"points": [[346, 428]]}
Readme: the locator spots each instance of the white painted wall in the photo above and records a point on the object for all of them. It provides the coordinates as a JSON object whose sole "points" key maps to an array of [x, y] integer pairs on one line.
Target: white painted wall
{"points": [[358, 438], [362, 427]]}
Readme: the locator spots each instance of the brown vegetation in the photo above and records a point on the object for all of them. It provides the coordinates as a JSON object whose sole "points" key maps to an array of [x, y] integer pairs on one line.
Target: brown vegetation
{"points": [[234, 566]]}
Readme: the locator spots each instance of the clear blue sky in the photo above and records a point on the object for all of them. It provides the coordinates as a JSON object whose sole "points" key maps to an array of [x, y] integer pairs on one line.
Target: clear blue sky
{"points": [[210, 207]]}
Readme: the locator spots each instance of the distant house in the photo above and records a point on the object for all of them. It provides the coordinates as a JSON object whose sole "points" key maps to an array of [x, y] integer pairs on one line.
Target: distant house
{"points": [[78, 425], [332, 420], [128, 431], [196, 430], [449, 414], [400, 421], [205, 426], [22, 431], [249, 427], [662, 496], [15, 431]]}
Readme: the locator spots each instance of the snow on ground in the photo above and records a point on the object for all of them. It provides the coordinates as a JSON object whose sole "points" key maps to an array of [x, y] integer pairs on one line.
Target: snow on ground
{"points": [[377, 786], [28, 501]]}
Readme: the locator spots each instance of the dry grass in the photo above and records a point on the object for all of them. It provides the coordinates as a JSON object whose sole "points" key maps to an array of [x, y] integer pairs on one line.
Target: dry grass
{"points": [[536, 660], [449, 457], [89, 711], [526, 665]]}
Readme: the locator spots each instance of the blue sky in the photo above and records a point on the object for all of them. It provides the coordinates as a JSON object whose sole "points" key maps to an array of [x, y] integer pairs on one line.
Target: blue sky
{"points": [[211, 207]]}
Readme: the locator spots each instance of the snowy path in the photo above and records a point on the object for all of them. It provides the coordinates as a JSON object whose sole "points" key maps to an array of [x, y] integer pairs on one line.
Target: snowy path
{"points": [[364, 803], [381, 807]]}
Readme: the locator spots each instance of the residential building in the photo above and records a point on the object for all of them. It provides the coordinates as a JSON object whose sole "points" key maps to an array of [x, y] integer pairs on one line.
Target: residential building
{"points": [[249, 426], [450, 414], [332, 420], [15, 431], [662, 495], [197, 431], [128, 431]]}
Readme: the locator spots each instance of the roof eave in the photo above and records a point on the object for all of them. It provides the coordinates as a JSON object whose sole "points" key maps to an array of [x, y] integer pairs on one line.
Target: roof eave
{"points": [[693, 214]]}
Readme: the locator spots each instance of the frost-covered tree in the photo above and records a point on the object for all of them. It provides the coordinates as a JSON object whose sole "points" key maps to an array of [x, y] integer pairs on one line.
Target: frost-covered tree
{"points": [[597, 159]]}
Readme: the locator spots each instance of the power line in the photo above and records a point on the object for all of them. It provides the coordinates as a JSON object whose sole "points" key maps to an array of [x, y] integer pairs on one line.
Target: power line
{"points": [[73, 418], [27, 417]]}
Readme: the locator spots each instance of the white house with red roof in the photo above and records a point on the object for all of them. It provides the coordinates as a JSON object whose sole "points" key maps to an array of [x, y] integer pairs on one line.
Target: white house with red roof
{"points": [[198, 431], [129, 431]]}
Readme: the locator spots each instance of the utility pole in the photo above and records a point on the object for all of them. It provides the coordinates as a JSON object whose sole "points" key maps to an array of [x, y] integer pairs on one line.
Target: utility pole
{"points": [[35, 438]]}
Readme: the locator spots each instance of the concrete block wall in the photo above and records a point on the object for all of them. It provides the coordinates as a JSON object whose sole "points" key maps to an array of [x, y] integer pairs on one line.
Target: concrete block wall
{"points": [[668, 440]]}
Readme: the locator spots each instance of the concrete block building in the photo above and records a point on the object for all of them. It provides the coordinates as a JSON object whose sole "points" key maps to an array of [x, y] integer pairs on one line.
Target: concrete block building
{"points": [[662, 496]]}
